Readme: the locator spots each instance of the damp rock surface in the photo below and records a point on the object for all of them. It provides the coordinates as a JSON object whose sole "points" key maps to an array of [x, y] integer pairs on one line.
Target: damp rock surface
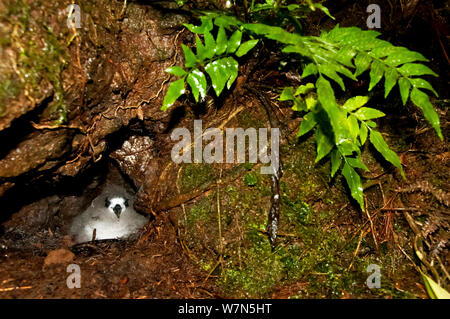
{"points": [[62, 101]]}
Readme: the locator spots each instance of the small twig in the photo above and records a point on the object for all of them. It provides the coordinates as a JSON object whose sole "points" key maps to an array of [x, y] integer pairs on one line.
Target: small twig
{"points": [[219, 262], [219, 220], [123, 8], [15, 288], [409, 258], [356, 250], [411, 209], [179, 192], [443, 267], [372, 228], [421, 255], [56, 127]]}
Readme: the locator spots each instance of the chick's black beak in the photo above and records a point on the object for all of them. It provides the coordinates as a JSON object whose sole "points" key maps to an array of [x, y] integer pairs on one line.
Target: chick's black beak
{"points": [[117, 210]]}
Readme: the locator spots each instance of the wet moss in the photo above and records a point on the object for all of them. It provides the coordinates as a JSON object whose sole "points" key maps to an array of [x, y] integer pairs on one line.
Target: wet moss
{"points": [[37, 62], [46, 63], [265, 269], [250, 179], [250, 120], [296, 212], [9, 88], [200, 212], [309, 250], [195, 175]]}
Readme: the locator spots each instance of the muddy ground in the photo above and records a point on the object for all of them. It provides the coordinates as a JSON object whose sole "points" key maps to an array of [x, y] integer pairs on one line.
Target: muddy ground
{"points": [[207, 234]]}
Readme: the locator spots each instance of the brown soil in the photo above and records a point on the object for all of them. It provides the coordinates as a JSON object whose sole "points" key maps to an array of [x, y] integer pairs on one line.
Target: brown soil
{"points": [[152, 268]]}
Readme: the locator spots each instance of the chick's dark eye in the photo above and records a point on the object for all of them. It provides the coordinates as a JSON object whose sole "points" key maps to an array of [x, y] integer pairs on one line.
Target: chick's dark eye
{"points": [[107, 202], [126, 202]]}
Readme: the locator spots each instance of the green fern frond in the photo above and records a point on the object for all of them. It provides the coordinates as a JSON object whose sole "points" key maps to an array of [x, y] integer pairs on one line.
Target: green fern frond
{"points": [[350, 52], [340, 130], [395, 64], [212, 56]]}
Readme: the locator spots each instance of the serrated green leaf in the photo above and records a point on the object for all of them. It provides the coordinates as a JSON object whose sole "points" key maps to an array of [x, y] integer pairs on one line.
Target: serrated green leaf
{"points": [[299, 49], [390, 79], [363, 131], [404, 56], [354, 184], [423, 84], [206, 25], [371, 124], [343, 70], [232, 67], [347, 148], [415, 69], [324, 10], [324, 144], [175, 90], [263, 6], [311, 102], [336, 161], [234, 42], [308, 123], [329, 71], [303, 89], [189, 57], [221, 41], [218, 75], [353, 126], [356, 163], [299, 105], [384, 50], [367, 113], [362, 63], [422, 100], [210, 45], [245, 47], [193, 28], [222, 72], [353, 36], [287, 94], [310, 69], [355, 103], [337, 116], [275, 33], [197, 81], [200, 48], [226, 21], [293, 7], [176, 70], [376, 73], [382, 147], [404, 86], [346, 55]]}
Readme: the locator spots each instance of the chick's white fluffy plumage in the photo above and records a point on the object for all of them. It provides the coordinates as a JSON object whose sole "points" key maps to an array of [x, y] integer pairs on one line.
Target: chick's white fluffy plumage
{"points": [[111, 215]]}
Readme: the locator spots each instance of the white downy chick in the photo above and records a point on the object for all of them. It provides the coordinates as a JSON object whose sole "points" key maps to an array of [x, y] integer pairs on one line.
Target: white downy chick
{"points": [[110, 216]]}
